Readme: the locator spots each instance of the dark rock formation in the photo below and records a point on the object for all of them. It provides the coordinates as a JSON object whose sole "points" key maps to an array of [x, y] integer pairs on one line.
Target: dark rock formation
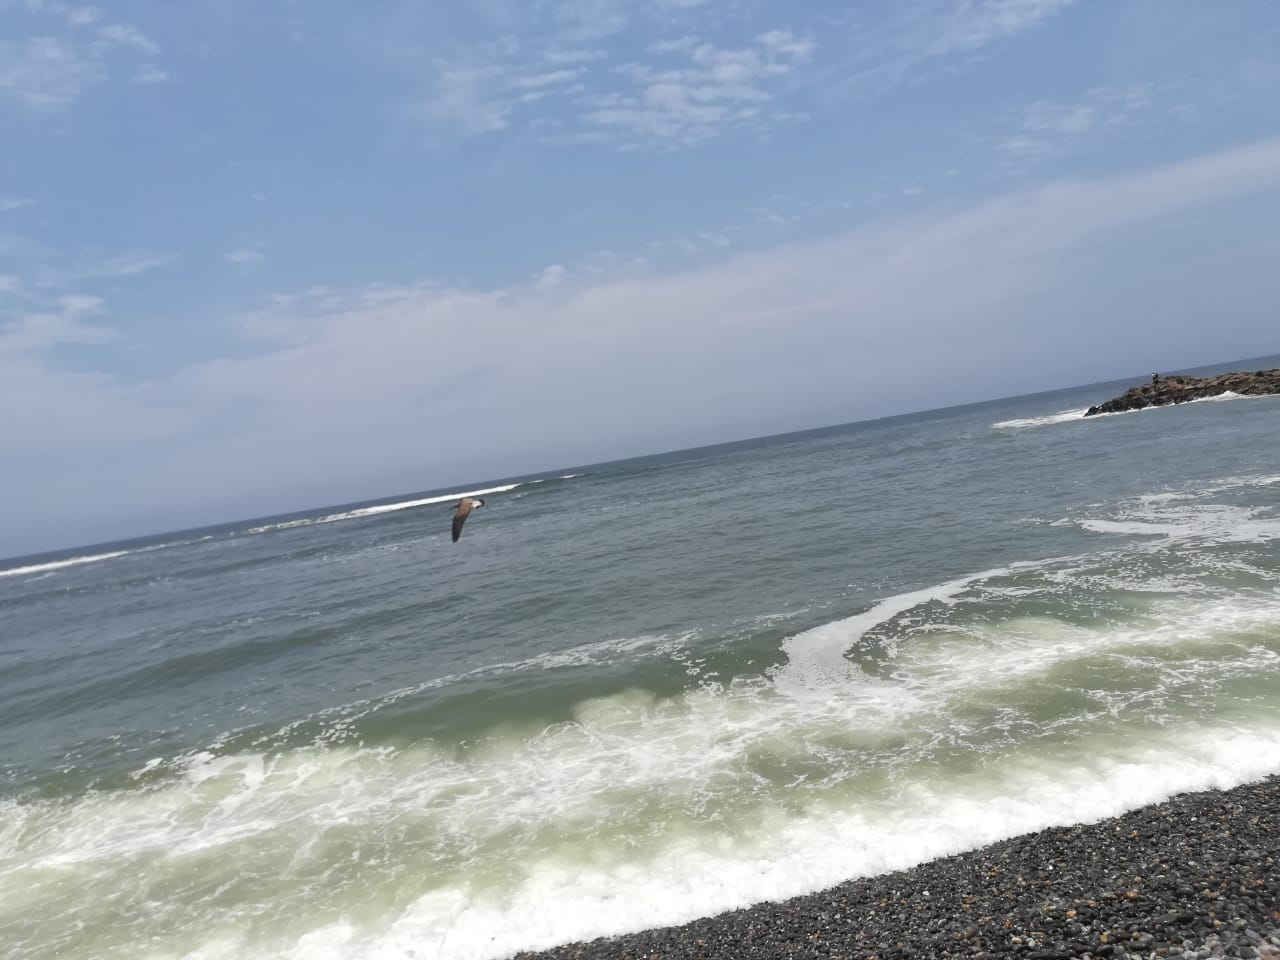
{"points": [[1178, 389]]}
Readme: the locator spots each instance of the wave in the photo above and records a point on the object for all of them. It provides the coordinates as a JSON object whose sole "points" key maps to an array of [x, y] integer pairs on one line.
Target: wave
{"points": [[1064, 417], [1178, 517], [376, 510], [61, 564], [643, 810], [1067, 416], [381, 508]]}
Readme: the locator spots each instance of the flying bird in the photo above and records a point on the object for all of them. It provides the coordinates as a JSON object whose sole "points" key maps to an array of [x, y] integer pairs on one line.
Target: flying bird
{"points": [[462, 510]]}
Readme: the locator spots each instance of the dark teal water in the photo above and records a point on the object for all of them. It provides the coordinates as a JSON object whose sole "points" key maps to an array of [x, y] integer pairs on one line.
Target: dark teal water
{"points": [[651, 690]]}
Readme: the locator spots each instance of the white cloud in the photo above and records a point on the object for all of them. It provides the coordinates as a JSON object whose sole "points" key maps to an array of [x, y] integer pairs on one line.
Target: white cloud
{"points": [[83, 16], [707, 92], [786, 43], [245, 257], [555, 57], [13, 203], [685, 44], [44, 72], [1046, 127], [150, 74], [43, 331], [468, 98], [45, 274], [551, 278], [122, 35], [557, 75], [690, 85], [129, 264], [883, 55], [586, 20], [76, 303], [57, 52], [976, 23], [549, 79]]}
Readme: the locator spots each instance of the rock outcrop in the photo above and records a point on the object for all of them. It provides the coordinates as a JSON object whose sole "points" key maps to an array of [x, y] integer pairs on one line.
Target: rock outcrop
{"points": [[1177, 389]]}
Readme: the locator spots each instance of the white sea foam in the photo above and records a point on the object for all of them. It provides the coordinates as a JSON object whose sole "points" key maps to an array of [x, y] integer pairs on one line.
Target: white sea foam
{"points": [[1185, 522], [503, 813], [61, 564], [1064, 417], [690, 879], [816, 657]]}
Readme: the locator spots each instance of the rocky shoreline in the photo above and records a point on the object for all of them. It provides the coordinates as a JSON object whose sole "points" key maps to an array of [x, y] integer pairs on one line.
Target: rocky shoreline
{"points": [[1196, 876], [1178, 389]]}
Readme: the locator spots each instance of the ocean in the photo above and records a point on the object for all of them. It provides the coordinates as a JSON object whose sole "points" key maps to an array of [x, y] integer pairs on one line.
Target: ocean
{"points": [[639, 692]]}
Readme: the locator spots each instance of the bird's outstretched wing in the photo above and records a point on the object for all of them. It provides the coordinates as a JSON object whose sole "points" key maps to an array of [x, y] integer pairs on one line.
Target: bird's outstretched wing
{"points": [[461, 512]]}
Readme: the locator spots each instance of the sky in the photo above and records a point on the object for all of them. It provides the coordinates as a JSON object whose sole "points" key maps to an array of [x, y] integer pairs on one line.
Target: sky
{"points": [[264, 256]]}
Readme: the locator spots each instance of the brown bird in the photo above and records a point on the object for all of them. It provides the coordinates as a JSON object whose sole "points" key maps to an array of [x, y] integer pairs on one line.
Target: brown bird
{"points": [[463, 510]]}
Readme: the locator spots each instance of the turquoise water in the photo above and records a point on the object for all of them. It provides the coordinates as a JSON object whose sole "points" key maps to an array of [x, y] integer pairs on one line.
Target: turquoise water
{"points": [[639, 692]]}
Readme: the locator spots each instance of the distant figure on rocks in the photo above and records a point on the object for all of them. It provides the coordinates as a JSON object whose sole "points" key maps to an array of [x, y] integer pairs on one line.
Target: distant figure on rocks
{"points": [[1155, 378]]}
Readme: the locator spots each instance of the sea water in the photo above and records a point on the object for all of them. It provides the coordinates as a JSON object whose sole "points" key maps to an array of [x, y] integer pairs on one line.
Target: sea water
{"points": [[635, 693]]}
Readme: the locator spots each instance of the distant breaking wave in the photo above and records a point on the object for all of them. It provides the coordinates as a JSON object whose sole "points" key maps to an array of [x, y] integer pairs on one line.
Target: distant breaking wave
{"points": [[1062, 417], [53, 565], [59, 564], [400, 505], [1068, 415], [380, 508]]}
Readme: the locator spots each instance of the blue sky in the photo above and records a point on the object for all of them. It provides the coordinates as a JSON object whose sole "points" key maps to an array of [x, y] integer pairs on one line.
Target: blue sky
{"points": [[262, 256]]}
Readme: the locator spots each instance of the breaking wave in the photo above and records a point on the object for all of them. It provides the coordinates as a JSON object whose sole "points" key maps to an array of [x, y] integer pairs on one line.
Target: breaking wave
{"points": [[61, 564]]}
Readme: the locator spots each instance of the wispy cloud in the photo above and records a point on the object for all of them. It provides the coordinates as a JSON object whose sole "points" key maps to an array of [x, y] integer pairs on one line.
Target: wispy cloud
{"points": [[551, 78], [584, 21], [469, 99], [129, 264], [555, 57], [604, 71], [55, 51], [122, 35], [80, 16], [975, 23], [44, 276], [920, 34], [551, 278], [563, 77], [150, 74], [13, 203], [245, 257], [1047, 127], [44, 72], [65, 325], [705, 92]]}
